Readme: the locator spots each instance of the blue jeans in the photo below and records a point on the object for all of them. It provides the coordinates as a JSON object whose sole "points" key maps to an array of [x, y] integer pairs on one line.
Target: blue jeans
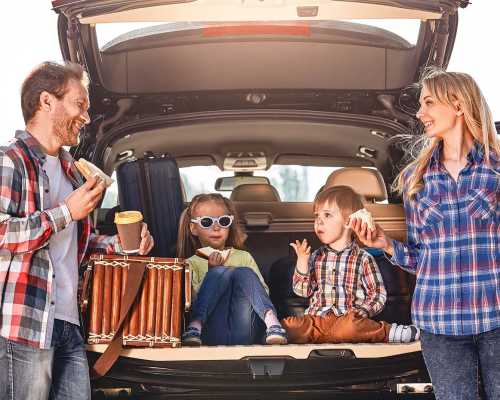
{"points": [[232, 304], [60, 372], [456, 362]]}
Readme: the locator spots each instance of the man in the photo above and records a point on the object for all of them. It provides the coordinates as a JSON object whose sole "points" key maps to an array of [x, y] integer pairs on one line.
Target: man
{"points": [[45, 234]]}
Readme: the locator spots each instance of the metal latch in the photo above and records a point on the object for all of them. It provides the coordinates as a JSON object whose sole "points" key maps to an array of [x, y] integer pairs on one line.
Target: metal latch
{"points": [[414, 388], [266, 367]]}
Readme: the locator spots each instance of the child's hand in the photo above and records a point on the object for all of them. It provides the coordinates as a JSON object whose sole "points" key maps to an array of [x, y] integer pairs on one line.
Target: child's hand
{"points": [[303, 251], [215, 259], [359, 313]]}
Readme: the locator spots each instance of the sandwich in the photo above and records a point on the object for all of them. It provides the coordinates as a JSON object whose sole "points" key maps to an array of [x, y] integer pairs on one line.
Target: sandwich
{"points": [[205, 252], [87, 169], [365, 216]]}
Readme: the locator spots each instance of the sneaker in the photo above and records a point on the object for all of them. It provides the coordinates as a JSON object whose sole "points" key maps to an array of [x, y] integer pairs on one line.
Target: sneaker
{"points": [[403, 333], [275, 334], [192, 337]]}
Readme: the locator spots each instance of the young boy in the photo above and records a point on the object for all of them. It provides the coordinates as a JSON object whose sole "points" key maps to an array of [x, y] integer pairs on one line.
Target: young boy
{"points": [[341, 279]]}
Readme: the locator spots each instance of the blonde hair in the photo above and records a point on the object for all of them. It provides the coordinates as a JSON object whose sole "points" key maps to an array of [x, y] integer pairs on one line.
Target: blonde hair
{"points": [[449, 88], [344, 197], [187, 243]]}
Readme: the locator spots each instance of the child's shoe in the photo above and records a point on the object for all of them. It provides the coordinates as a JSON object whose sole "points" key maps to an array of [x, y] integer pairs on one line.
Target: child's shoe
{"points": [[403, 333], [192, 337], [275, 334]]}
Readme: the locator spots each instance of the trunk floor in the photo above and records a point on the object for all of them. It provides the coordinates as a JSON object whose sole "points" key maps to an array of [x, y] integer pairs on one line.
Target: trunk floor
{"points": [[298, 351]]}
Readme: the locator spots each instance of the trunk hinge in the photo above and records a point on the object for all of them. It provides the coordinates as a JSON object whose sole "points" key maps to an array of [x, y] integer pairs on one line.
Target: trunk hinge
{"points": [[438, 51], [73, 34]]}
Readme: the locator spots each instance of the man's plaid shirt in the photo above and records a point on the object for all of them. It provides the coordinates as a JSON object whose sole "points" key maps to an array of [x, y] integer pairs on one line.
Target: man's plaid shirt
{"points": [[339, 281], [27, 283], [454, 247]]}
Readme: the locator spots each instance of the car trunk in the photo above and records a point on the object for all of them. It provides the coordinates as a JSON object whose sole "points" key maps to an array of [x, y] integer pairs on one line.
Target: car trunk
{"points": [[253, 69]]}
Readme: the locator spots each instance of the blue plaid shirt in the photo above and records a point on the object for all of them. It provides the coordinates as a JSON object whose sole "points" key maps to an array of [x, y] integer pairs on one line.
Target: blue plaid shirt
{"points": [[454, 247]]}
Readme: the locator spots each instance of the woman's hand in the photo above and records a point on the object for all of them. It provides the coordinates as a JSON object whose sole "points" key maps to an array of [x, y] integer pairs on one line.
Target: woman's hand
{"points": [[215, 259], [303, 251], [376, 238]]}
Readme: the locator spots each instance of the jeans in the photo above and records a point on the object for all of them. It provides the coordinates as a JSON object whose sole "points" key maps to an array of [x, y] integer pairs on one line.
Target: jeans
{"points": [[232, 304], [60, 372], [455, 364]]}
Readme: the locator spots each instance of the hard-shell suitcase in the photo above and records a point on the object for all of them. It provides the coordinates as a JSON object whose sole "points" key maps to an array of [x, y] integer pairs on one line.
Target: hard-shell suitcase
{"points": [[152, 185]]}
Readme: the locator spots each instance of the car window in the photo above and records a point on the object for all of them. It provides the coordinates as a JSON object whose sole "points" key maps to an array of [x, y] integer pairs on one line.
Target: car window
{"points": [[295, 183], [111, 196]]}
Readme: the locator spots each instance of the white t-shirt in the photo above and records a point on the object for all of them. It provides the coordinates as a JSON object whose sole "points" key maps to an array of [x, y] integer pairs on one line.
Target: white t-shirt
{"points": [[63, 246]]}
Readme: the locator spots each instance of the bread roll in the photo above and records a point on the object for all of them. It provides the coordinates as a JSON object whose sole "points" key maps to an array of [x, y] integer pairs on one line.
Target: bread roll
{"points": [[365, 216], [87, 169], [205, 252]]}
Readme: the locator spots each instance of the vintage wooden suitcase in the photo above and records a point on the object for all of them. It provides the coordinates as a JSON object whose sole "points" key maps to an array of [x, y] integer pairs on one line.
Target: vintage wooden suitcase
{"points": [[155, 314]]}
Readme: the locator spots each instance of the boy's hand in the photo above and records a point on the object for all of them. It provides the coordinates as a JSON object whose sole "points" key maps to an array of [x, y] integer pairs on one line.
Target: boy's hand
{"points": [[303, 251], [215, 259], [359, 313]]}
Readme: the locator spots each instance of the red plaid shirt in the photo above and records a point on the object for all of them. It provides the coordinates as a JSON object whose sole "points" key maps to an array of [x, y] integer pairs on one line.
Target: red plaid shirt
{"points": [[27, 283], [339, 281]]}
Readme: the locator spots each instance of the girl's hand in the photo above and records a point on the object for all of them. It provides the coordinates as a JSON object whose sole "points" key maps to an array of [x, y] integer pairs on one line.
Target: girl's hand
{"points": [[376, 238], [303, 251], [215, 259]]}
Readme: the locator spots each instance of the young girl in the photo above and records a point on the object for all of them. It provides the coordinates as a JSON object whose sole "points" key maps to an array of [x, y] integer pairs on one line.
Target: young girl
{"points": [[231, 295]]}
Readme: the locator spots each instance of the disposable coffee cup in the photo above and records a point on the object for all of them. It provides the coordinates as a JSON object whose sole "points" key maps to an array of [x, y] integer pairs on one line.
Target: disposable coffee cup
{"points": [[129, 225]]}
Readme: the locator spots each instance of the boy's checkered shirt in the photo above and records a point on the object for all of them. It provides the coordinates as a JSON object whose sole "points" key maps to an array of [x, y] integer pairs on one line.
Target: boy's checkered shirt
{"points": [[339, 281]]}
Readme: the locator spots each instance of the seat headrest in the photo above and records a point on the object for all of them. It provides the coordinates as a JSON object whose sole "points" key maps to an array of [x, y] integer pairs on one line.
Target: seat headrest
{"points": [[255, 192], [365, 181]]}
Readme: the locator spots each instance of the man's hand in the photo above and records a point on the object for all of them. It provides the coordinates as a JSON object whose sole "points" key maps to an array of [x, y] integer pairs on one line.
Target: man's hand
{"points": [[82, 201], [215, 259], [303, 251], [376, 238]]}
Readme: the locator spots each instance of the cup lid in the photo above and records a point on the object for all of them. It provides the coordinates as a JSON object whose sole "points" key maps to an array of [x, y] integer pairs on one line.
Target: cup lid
{"points": [[128, 217]]}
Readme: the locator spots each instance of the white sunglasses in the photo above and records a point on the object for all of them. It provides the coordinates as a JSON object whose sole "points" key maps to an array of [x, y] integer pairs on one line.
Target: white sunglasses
{"points": [[206, 222]]}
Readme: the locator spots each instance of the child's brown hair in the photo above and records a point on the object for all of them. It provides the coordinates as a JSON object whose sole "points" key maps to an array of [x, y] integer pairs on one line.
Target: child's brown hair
{"points": [[187, 243], [344, 197]]}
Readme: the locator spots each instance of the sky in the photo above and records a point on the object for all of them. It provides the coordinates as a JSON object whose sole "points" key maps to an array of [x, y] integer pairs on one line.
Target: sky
{"points": [[28, 35]]}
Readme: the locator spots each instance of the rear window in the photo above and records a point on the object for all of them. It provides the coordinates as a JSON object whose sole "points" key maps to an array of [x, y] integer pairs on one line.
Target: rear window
{"points": [[110, 33], [295, 183]]}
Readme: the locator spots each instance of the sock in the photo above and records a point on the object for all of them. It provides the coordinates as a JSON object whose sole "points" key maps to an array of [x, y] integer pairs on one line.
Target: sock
{"points": [[195, 324], [403, 333], [271, 319]]}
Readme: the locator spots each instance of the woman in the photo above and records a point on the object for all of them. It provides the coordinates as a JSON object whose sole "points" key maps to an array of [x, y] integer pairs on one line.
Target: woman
{"points": [[451, 200]]}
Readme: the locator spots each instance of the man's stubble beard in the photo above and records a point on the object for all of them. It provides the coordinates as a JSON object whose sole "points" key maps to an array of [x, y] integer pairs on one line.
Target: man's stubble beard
{"points": [[64, 129]]}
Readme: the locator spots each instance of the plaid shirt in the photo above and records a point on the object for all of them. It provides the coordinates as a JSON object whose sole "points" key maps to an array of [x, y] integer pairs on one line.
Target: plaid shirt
{"points": [[27, 283], [453, 247], [339, 281]]}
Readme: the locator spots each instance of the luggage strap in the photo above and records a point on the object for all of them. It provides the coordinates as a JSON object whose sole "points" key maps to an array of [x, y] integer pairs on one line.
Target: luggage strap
{"points": [[112, 352], [145, 191]]}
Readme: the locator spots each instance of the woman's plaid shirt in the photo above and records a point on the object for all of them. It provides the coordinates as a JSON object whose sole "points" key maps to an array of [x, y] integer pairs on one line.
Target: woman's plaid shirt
{"points": [[339, 281], [26, 272], [454, 247]]}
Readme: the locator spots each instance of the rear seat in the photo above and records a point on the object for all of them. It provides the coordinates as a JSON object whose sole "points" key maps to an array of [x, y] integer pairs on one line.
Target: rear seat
{"points": [[271, 225]]}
